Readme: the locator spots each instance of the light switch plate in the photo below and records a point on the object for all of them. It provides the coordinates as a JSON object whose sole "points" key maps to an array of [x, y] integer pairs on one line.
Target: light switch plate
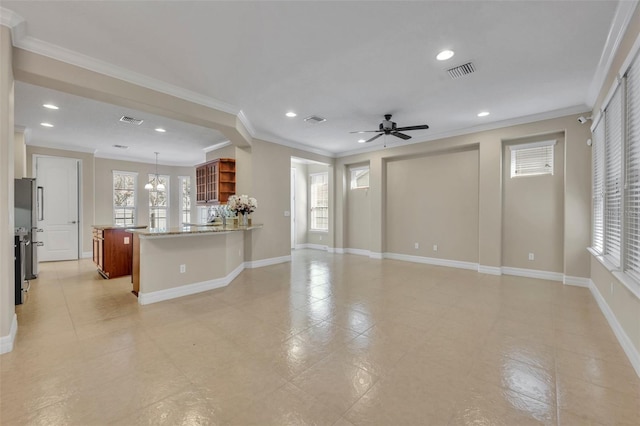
{"points": [[126, 240]]}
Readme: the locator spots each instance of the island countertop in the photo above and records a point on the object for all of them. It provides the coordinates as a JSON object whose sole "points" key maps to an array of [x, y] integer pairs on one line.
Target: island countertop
{"points": [[191, 230], [104, 227]]}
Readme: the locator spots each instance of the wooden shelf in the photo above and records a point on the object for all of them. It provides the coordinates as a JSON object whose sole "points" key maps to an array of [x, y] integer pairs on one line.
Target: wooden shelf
{"points": [[215, 181]]}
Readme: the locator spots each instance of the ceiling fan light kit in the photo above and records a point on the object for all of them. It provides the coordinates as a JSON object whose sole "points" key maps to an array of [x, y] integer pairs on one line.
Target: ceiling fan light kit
{"points": [[388, 127]]}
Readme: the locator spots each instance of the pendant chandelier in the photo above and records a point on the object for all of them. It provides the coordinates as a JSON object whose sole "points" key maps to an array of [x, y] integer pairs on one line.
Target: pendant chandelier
{"points": [[159, 186]]}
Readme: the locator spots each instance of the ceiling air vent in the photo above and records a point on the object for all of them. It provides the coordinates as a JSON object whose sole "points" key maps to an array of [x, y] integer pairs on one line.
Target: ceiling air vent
{"points": [[314, 119], [131, 120], [121, 146], [461, 70]]}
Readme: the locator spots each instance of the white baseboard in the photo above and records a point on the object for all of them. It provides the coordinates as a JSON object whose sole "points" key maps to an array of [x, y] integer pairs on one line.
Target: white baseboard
{"points": [[625, 341], [432, 261], [312, 246], [186, 290], [533, 273], [338, 250], [577, 281], [267, 262], [358, 252], [491, 270], [6, 342], [375, 255], [87, 254]]}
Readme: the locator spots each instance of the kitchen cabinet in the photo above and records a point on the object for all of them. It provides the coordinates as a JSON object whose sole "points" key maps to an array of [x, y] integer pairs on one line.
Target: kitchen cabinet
{"points": [[215, 181], [112, 251]]}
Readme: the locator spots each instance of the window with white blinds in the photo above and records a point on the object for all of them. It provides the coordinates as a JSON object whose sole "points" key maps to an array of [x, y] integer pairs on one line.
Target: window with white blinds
{"points": [[613, 177], [597, 234], [616, 180], [532, 159], [632, 172]]}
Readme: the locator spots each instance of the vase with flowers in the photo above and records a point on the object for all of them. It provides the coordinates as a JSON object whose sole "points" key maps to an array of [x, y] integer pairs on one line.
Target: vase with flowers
{"points": [[242, 205]]}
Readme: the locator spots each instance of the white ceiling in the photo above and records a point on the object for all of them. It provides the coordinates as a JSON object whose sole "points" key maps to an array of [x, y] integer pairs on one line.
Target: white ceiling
{"points": [[350, 62]]}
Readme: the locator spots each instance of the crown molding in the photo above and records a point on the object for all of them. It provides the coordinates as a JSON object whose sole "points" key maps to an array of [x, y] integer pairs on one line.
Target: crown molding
{"points": [[122, 157], [216, 146], [9, 18], [62, 147], [247, 124], [618, 28], [578, 109]]}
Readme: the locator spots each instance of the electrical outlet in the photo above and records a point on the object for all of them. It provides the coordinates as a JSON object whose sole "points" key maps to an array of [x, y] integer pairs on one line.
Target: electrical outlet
{"points": [[416, 246], [435, 247], [612, 289], [532, 256], [287, 213], [183, 268], [320, 237], [126, 240]]}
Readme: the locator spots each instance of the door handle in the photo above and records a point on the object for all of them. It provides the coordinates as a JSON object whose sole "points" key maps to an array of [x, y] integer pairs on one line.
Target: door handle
{"points": [[40, 202], [73, 221], [39, 243]]}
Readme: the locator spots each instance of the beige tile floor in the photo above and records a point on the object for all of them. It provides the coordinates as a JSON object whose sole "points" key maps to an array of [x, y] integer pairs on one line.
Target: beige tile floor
{"points": [[327, 340]]}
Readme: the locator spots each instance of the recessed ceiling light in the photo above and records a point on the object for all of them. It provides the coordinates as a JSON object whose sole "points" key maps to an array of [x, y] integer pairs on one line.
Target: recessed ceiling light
{"points": [[444, 55], [46, 124], [160, 130], [291, 114], [483, 114], [361, 141], [50, 106]]}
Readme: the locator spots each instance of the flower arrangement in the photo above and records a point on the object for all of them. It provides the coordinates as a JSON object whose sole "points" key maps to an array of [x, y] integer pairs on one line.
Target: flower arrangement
{"points": [[242, 204]]}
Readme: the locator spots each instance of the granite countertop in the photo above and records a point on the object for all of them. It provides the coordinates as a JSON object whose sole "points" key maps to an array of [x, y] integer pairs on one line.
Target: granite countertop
{"points": [[103, 227], [192, 230]]}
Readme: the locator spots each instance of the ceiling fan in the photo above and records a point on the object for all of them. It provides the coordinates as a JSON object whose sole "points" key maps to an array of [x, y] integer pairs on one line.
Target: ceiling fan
{"points": [[388, 127]]}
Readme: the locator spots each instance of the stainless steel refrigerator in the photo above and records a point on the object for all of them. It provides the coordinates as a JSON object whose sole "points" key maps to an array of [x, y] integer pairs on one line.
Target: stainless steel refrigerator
{"points": [[26, 214]]}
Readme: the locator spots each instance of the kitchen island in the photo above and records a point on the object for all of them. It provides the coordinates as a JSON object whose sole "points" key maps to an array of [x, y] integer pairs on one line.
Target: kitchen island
{"points": [[175, 262], [112, 251]]}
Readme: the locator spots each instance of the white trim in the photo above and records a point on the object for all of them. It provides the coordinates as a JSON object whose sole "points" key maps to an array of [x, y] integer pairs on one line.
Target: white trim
{"points": [[359, 252], [518, 147], [9, 18], [576, 281], [432, 261], [624, 340], [618, 28], [491, 270], [186, 290], [246, 123], [267, 262], [216, 146], [533, 273], [61, 147], [337, 250], [312, 246], [6, 342], [376, 255], [625, 280], [87, 254], [135, 159]]}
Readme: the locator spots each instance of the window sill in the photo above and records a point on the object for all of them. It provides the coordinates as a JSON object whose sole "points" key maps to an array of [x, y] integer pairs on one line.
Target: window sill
{"points": [[630, 283], [318, 231]]}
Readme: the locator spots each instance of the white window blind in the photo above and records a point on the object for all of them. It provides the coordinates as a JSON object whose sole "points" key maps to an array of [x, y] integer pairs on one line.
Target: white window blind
{"points": [[632, 172], [532, 159], [613, 177], [597, 242]]}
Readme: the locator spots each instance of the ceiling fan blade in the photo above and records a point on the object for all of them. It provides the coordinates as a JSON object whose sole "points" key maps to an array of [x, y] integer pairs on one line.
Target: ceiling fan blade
{"points": [[422, 127], [401, 135], [373, 138], [366, 131]]}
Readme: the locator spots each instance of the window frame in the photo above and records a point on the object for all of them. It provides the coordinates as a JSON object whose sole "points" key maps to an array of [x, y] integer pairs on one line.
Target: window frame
{"points": [[353, 179], [181, 199], [167, 197], [516, 148], [312, 208], [134, 208]]}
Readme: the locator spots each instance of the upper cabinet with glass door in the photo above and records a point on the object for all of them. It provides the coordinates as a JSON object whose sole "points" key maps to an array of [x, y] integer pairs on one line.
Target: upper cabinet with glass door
{"points": [[215, 181]]}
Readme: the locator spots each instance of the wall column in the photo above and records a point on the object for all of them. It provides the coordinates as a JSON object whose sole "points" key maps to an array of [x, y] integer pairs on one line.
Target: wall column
{"points": [[490, 208], [8, 322]]}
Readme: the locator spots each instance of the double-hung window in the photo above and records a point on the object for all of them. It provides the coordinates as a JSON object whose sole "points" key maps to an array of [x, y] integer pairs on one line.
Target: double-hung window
{"points": [[359, 177], [124, 198], [319, 201], [532, 159], [158, 202], [615, 235]]}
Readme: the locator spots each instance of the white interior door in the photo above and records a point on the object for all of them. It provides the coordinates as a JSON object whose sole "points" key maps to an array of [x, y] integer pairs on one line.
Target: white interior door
{"points": [[293, 208], [57, 204]]}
